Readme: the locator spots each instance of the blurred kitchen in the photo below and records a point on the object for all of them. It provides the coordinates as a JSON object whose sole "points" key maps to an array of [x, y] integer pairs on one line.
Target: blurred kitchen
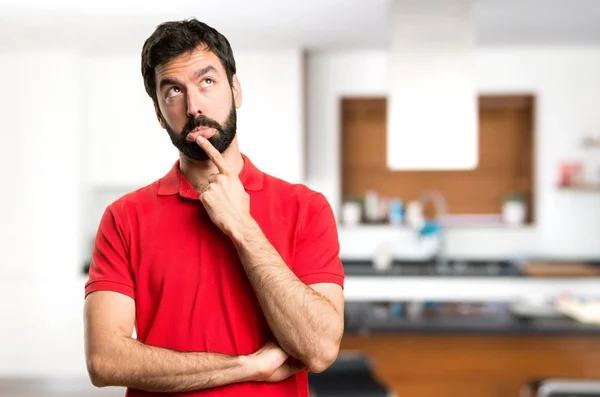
{"points": [[457, 141]]}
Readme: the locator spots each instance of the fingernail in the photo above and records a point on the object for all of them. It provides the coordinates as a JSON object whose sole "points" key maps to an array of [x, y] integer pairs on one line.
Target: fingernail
{"points": [[200, 139]]}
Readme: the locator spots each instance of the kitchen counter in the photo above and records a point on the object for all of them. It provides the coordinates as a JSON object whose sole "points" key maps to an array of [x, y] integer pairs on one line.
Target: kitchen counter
{"points": [[455, 268], [500, 322], [424, 288], [473, 280]]}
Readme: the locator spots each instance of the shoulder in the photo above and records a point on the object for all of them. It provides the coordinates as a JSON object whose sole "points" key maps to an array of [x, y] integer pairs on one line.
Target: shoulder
{"points": [[297, 193], [130, 201], [297, 198]]}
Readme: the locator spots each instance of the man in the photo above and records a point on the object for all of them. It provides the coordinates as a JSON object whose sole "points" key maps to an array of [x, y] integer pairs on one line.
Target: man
{"points": [[230, 276]]}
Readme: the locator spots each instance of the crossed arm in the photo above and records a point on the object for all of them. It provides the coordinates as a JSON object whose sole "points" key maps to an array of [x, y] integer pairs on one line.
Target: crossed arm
{"points": [[114, 358], [300, 324], [308, 321]]}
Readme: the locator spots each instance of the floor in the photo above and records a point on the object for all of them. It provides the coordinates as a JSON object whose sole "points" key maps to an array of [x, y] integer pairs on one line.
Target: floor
{"points": [[55, 388]]}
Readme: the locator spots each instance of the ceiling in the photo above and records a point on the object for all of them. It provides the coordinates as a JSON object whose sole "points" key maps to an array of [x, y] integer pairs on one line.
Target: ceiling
{"points": [[265, 24]]}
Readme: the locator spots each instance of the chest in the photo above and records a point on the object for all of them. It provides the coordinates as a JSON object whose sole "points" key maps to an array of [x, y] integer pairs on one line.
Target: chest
{"points": [[184, 249]]}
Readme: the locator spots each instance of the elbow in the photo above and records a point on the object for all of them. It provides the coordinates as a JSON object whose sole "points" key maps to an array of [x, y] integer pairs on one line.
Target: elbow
{"points": [[320, 362], [328, 352], [96, 368]]}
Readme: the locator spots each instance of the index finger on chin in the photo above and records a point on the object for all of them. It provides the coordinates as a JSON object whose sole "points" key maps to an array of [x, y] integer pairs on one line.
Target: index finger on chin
{"points": [[213, 154]]}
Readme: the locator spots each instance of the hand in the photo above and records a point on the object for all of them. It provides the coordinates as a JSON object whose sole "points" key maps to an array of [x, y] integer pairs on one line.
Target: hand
{"points": [[271, 363], [224, 198], [286, 370]]}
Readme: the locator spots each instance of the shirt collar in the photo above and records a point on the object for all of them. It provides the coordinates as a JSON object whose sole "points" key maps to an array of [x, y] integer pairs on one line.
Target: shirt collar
{"points": [[174, 181]]}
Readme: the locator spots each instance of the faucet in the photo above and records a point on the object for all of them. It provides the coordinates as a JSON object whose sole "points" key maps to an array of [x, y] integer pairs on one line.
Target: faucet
{"points": [[439, 202]]}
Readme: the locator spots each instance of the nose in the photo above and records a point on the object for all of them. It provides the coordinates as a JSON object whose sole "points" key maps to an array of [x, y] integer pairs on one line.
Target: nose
{"points": [[195, 105]]}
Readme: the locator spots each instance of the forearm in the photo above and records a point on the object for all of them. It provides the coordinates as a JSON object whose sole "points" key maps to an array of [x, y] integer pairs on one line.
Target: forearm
{"points": [[305, 323], [132, 364]]}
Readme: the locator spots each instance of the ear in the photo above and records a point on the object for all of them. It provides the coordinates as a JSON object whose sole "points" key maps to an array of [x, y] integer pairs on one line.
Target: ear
{"points": [[159, 117], [237, 91]]}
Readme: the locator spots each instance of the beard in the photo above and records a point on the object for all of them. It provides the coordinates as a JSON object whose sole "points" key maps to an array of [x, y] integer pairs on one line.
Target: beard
{"points": [[220, 140]]}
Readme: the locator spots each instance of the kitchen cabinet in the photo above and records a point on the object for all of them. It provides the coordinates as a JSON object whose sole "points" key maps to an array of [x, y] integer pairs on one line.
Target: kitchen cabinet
{"points": [[475, 365]]}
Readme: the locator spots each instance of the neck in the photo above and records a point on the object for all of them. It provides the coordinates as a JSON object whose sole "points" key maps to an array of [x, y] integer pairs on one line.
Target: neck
{"points": [[198, 171]]}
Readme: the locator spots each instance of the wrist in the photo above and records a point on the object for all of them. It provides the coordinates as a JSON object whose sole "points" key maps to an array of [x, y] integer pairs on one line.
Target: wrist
{"points": [[249, 367], [245, 228], [252, 368]]}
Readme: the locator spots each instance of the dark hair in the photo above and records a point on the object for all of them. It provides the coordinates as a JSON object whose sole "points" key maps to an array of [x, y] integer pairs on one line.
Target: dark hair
{"points": [[171, 39]]}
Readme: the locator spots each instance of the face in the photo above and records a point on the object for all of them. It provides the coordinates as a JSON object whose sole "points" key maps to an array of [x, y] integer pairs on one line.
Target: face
{"points": [[193, 93]]}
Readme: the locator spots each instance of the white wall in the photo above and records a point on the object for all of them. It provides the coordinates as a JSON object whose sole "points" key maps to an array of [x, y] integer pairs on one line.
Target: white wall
{"points": [[40, 164], [271, 118], [567, 85], [41, 211]]}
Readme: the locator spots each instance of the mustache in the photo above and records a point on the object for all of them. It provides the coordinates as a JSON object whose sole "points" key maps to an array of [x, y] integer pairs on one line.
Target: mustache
{"points": [[200, 121]]}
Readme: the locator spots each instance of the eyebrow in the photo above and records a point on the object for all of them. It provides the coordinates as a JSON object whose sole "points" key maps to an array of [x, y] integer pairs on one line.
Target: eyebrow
{"points": [[205, 70], [169, 81]]}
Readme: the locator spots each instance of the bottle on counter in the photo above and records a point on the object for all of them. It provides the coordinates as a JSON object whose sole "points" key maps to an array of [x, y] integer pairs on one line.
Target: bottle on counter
{"points": [[414, 215], [396, 211], [352, 212], [371, 206]]}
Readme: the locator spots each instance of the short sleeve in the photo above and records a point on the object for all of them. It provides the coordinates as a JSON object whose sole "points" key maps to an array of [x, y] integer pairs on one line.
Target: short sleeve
{"points": [[110, 268], [317, 248]]}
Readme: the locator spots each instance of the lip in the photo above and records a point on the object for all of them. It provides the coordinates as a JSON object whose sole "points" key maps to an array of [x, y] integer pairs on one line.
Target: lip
{"points": [[205, 132]]}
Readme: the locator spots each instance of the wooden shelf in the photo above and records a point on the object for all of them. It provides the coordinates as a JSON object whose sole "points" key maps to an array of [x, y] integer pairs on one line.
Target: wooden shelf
{"points": [[589, 187]]}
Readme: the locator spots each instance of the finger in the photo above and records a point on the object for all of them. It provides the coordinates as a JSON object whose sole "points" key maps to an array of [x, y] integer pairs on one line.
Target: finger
{"points": [[212, 178], [204, 132], [213, 154]]}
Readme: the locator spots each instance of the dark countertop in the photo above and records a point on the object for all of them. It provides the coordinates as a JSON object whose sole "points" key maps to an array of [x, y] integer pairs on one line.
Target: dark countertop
{"points": [[500, 322], [456, 268], [563, 327]]}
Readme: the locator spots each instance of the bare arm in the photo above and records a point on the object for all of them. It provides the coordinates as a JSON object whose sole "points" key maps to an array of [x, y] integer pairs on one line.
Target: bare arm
{"points": [[114, 358], [307, 321]]}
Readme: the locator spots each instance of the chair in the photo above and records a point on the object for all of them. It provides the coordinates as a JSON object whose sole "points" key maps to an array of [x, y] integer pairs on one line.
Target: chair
{"points": [[350, 376]]}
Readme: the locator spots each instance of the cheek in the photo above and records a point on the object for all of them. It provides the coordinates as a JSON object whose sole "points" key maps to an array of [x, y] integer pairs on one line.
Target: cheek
{"points": [[226, 102], [175, 116]]}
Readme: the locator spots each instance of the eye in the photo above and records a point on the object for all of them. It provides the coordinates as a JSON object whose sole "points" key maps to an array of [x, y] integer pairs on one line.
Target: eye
{"points": [[207, 82], [173, 91]]}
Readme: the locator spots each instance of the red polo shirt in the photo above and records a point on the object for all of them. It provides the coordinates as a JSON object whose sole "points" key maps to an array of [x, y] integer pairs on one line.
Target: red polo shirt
{"points": [[158, 246]]}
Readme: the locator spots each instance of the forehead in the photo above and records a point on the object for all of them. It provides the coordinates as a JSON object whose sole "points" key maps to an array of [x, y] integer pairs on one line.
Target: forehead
{"points": [[188, 63]]}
